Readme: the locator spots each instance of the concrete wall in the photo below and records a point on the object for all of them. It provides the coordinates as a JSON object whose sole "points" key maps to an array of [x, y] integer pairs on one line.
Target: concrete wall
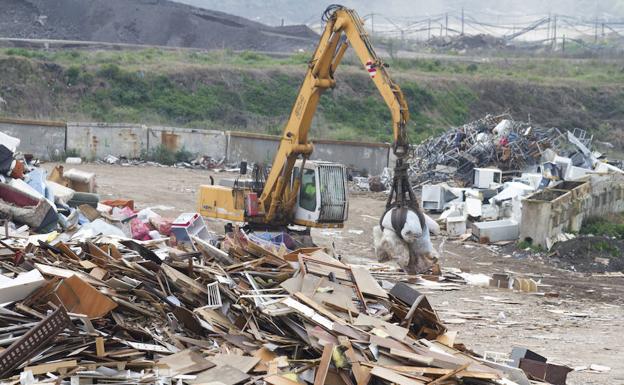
{"points": [[369, 157], [251, 147], [201, 142], [607, 193], [97, 140], [563, 208], [44, 139]]}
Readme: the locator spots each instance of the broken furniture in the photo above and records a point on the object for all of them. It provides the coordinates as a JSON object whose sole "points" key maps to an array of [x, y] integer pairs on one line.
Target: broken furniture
{"points": [[189, 225]]}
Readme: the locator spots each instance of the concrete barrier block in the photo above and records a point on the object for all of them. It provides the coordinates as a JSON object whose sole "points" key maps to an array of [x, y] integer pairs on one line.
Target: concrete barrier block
{"points": [[44, 140], [96, 140], [360, 156], [197, 141]]}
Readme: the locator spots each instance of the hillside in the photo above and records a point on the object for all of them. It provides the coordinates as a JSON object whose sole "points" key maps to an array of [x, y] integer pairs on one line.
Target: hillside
{"points": [[254, 92], [153, 22]]}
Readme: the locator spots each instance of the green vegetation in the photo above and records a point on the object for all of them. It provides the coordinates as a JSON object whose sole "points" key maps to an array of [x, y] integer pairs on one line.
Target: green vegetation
{"points": [[62, 155], [539, 69], [603, 246], [611, 226], [160, 58], [255, 92], [161, 154], [528, 245], [71, 153], [137, 96]]}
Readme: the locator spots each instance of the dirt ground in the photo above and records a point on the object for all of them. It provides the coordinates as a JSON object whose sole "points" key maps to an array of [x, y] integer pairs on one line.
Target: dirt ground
{"points": [[584, 325]]}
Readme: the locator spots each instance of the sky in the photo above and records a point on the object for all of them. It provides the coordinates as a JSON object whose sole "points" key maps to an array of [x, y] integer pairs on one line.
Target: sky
{"points": [[308, 11]]}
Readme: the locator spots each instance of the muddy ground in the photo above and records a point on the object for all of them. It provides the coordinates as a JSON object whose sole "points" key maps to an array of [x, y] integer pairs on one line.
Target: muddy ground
{"points": [[584, 325]]}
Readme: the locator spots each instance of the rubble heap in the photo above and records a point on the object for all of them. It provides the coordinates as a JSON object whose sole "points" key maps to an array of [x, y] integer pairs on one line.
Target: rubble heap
{"points": [[202, 162], [252, 311], [101, 293]]}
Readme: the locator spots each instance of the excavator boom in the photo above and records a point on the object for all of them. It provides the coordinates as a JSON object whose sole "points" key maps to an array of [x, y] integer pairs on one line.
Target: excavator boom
{"points": [[283, 186]]}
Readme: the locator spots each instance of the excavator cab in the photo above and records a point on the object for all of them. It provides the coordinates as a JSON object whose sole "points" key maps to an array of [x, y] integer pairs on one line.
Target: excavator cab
{"points": [[322, 200]]}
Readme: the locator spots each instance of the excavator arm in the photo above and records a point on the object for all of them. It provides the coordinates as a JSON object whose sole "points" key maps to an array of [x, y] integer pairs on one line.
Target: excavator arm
{"points": [[343, 28]]}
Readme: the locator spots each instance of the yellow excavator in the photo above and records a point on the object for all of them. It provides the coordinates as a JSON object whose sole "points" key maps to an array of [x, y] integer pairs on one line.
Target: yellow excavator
{"points": [[301, 191]]}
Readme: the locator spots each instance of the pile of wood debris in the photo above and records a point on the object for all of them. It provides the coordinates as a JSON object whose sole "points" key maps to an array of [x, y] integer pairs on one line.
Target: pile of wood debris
{"points": [[111, 310]]}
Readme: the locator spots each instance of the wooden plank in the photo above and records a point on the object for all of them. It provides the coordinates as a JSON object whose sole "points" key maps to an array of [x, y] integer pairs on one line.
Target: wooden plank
{"points": [[394, 377], [321, 371], [334, 377], [439, 371], [99, 347], [265, 356], [345, 377], [397, 332], [340, 308], [183, 281], [339, 295], [279, 380], [316, 306], [65, 273], [367, 376], [367, 284], [88, 265], [346, 330], [450, 374], [51, 367], [98, 253], [204, 344], [185, 362], [225, 375], [89, 212], [292, 285], [448, 338], [79, 297], [388, 343], [459, 357], [133, 306], [320, 263], [114, 252], [412, 356], [242, 363], [360, 375], [99, 273], [69, 253]]}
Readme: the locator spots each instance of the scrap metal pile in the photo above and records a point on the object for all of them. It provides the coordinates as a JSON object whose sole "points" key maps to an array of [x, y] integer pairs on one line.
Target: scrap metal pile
{"points": [[485, 177], [495, 141]]}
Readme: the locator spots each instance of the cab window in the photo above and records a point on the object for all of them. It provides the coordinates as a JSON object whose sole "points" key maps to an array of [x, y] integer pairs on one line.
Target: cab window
{"points": [[307, 192]]}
